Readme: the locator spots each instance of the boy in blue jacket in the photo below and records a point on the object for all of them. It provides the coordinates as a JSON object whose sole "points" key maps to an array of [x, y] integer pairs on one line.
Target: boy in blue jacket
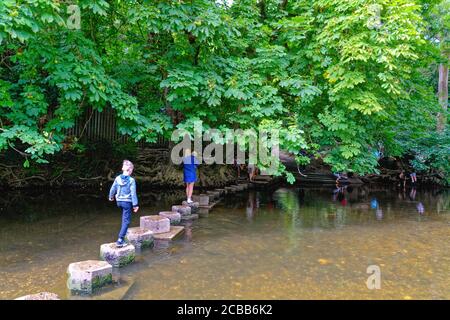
{"points": [[124, 190]]}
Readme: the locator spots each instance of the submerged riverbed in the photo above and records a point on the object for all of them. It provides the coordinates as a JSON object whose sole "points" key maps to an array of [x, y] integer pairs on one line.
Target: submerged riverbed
{"points": [[289, 243]]}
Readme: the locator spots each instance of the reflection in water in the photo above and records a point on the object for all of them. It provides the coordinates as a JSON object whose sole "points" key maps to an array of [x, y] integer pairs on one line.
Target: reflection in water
{"points": [[292, 243]]}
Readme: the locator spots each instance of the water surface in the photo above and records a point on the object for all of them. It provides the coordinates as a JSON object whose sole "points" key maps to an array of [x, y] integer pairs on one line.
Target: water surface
{"points": [[288, 243]]}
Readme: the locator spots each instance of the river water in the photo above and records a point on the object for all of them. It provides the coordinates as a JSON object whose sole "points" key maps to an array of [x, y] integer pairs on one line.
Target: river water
{"points": [[287, 243]]}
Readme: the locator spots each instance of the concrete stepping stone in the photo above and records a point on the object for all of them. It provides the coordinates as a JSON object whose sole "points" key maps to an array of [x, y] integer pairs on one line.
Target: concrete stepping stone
{"points": [[209, 206], [40, 296], [189, 217], [168, 236], [140, 238], [230, 189], [155, 223], [87, 276], [183, 209], [263, 177], [194, 205], [203, 212], [213, 194], [244, 185], [173, 216], [203, 200], [220, 191], [117, 257]]}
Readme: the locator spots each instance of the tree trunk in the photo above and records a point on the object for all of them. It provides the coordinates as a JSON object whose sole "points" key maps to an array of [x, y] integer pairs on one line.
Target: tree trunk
{"points": [[443, 94]]}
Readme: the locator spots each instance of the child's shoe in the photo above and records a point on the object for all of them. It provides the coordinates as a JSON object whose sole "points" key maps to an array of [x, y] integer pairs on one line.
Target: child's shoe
{"points": [[189, 200], [120, 243]]}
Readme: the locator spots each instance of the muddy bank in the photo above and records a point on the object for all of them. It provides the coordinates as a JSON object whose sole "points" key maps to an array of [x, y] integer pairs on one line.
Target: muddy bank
{"points": [[389, 173], [97, 169]]}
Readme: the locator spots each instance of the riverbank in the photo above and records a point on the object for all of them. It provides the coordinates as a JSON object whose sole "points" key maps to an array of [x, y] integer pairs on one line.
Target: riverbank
{"points": [[97, 167], [94, 170]]}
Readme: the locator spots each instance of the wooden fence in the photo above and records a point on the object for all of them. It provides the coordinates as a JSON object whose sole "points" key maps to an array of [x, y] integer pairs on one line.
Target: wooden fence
{"points": [[102, 126]]}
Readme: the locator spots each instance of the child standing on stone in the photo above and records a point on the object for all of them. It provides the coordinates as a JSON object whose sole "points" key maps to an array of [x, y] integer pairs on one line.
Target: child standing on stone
{"points": [[190, 164], [124, 190]]}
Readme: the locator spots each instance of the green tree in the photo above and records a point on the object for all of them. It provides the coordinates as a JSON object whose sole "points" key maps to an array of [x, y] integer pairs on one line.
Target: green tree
{"points": [[339, 79]]}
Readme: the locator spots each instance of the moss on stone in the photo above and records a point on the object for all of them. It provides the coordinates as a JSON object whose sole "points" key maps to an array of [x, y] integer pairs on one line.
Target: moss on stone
{"points": [[147, 244], [101, 281], [126, 260]]}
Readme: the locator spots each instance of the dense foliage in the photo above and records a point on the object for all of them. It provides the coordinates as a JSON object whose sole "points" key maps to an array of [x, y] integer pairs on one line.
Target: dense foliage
{"points": [[341, 79]]}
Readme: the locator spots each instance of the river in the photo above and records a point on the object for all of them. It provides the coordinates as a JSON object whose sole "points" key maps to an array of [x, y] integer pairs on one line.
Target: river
{"points": [[286, 243]]}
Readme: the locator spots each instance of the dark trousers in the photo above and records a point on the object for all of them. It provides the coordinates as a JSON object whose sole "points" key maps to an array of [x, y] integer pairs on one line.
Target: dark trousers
{"points": [[127, 208]]}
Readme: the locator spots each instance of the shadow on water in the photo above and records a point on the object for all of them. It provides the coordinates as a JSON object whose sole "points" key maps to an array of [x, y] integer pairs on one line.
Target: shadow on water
{"points": [[290, 243]]}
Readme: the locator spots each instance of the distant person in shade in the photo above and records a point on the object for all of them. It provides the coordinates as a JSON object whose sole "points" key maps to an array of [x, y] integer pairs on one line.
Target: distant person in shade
{"points": [[251, 171], [402, 178], [413, 176], [190, 163]]}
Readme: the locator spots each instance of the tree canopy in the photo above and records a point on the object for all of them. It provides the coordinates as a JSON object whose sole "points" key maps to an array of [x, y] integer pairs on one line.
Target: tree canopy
{"points": [[341, 79]]}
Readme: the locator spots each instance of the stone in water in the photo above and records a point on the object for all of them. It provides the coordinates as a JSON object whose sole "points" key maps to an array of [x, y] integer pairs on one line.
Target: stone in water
{"points": [[214, 194], [156, 224], [173, 216], [203, 200], [188, 217], [140, 238], [194, 205], [220, 191], [230, 189], [117, 257], [40, 296], [174, 232], [183, 209], [87, 276], [203, 212]]}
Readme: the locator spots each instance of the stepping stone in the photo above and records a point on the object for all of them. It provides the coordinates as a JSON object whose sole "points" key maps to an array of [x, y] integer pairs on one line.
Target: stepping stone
{"points": [[262, 177], [87, 276], [203, 200], [194, 205], [209, 206], [189, 217], [213, 194], [203, 212], [220, 191], [183, 209], [230, 189], [155, 224], [40, 296], [173, 216], [117, 257], [140, 238], [244, 185], [161, 245], [172, 234]]}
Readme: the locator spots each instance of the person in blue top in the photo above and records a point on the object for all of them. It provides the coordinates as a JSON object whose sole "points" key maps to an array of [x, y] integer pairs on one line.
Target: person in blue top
{"points": [[124, 190], [190, 163]]}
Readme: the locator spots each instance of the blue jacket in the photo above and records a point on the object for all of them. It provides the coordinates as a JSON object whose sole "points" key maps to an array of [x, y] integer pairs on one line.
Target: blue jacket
{"points": [[124, 188]]}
